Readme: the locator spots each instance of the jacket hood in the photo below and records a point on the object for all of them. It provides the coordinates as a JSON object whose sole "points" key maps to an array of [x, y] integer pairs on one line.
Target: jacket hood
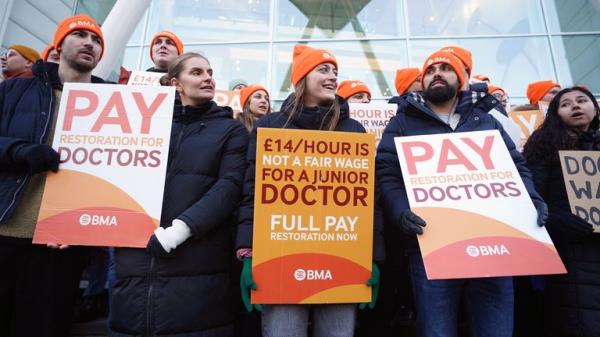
{"points": [[312, 118]]}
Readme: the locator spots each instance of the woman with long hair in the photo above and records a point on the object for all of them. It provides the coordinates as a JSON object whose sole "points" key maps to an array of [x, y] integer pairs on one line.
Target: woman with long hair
{"points": [[571, 301], [181, 284], [255, 103], [313, 105]]}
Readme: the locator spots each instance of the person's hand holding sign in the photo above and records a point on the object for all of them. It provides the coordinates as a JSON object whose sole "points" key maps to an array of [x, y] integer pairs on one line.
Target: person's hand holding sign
{"points": [[374, 283], [542, 211], [411, 223], [37, 158], [164, 240], [247, 284]]}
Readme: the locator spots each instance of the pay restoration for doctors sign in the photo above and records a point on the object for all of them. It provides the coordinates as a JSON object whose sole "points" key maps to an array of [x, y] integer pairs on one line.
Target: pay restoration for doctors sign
{"points": [[313, 216], [113, 142], [480, 219]]}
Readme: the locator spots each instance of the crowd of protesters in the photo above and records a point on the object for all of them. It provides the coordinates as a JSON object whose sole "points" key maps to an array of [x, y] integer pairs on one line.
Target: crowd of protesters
{"points": [[188, 280]]}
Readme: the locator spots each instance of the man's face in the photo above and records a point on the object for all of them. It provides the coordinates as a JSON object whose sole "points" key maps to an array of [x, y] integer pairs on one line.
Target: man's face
{"points": [[81, 50], [53, 56], [14, 63], [164, 52], [440, 83], [550, 94]]}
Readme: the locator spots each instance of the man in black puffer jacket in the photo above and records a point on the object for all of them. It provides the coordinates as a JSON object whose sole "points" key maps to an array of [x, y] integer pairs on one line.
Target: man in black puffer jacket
{"points": [[441, 109], [38, 284]]}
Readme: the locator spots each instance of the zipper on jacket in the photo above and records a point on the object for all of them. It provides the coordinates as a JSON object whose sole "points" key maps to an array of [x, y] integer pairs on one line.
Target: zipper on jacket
{"points": [[149, 302], [24, 180]]}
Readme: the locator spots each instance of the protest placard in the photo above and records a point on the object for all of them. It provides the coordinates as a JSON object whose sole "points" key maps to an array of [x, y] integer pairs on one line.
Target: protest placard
{"points": [[230, 99], [144, 78], [313, 216], [374, 117], [528, 121], [480, 219], [113, 142], [581, 171]]}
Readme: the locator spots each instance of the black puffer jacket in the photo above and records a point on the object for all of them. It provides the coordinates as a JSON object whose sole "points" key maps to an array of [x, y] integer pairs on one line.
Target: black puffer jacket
{"points": [[26, 109], [308, 119], [572, 301], [190, 293]]}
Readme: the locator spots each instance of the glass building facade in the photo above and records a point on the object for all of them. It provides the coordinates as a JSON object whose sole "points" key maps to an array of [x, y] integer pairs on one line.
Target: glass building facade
{"points": [[514, 42]]}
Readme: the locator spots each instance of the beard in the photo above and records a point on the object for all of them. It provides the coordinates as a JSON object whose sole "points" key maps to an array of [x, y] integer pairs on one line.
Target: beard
{"points": [[80, 66], [441, 94]]}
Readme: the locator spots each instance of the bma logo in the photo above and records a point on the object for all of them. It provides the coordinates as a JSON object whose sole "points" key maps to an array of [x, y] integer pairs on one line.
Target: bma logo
{"points": [[98, 220], [80, 23], [312, 274], [487, 250], [438, 59]]}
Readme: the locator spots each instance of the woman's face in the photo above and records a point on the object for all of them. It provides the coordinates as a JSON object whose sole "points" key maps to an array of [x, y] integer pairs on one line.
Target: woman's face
{"points": [[259, 103], [321, 84], [359, 97], [576, 110], [195, 83]]}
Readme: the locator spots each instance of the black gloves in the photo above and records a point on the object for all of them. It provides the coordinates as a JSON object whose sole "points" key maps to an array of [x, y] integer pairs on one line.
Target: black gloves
{"points": [[565, 224], [542, 211], [36, 157], [411, 223]]}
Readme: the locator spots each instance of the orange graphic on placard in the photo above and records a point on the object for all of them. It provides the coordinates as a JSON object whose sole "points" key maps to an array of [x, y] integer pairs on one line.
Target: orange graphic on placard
{"points": [[115, 219], [313, 216], [460, 244], [528, 121]]}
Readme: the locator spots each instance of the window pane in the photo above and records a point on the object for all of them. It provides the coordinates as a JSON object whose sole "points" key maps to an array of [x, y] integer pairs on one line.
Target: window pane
{"points": [[478, 17], [578, 60], [210, 20], [373, 62], [511, 63], [573, 15], [131, 58], [239, 61], [316, 19]]}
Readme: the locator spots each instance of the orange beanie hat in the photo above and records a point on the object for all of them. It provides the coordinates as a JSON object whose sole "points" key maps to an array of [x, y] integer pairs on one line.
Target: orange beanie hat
{"points": [[481, 78], [168, 35], [537, 90], [448, 58], [46, 52], [463, 55], [492, 88], [73, 23], [246, 92], [349, 88], [305, 59], [404, 78], [29, 54]]}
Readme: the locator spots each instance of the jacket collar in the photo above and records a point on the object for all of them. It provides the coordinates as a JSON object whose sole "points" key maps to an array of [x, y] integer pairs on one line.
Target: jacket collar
{"points": [[208, 110], [312, 118], [48, 72]]}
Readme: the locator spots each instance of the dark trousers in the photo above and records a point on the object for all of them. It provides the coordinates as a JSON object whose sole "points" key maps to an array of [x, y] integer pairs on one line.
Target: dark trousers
{"points": [[38, 288], [490, 304]]}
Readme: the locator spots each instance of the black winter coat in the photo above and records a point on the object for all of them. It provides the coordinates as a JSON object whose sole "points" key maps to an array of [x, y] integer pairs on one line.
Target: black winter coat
{"points": [[26, 110], [415, 118], [308, 119], [190, 292], [572, 301]]}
